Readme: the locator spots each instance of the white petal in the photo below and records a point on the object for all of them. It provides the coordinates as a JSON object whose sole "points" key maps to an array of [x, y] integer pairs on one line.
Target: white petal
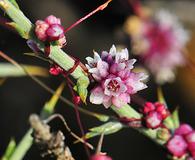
{"points": [[97, 96], [96, 57], [89, 60], [113, 50]]}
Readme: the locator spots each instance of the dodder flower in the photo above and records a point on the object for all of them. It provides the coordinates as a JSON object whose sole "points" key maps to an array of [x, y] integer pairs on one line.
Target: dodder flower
{"points": [[114, 76], [159, 41], [50, 30], [183, 142], [154, 114]]}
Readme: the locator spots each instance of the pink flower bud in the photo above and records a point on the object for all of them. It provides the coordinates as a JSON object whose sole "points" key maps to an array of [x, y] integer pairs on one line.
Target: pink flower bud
{"points": [[52, 20], [191, 148], [40, 30], [55, 32], [55, 70], [183, 129], [100, 157], [76, 99], [153, 120], [161, 108], [177, 146], [148, 107], [190, 138]]}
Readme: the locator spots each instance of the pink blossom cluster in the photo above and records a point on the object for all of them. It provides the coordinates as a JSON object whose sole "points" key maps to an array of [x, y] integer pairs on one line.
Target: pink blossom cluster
{"points": [[50, 30], [115, 80], [154, 114], [100, 156], [161, 42], [182, 143]]}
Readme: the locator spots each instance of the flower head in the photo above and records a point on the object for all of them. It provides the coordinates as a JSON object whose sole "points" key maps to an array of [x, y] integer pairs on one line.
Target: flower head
{"points": [[159, 41], [50, 30], [154, 114], [177, 146], [114, 76], [183, 142]]}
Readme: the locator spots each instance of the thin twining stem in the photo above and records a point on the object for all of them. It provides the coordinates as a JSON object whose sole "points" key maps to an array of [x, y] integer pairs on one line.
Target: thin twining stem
{"points": [[68, 129], [48, 89], [100, 8]]}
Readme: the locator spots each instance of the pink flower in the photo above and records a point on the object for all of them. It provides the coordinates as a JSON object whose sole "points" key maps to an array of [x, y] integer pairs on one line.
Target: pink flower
{"points": [[40, 30], [114, 76], [55, 32], [50, 30], [100, 157], [154, 114], [183, 129], [184, 141], [55, 70], [159, 44], [177, 146], [153, 120], [52, 20], [148, 107]]}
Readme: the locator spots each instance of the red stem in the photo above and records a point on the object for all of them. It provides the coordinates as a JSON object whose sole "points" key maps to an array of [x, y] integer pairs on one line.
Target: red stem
{"points": [[79, 119], [100, 8]]}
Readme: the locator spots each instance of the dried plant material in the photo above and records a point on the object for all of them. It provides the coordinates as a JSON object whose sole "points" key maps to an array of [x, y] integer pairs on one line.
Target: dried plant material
{"points": [[53, 142]]}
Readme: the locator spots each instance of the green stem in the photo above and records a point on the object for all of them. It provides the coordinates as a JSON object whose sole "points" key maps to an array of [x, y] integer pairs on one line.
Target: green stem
{"points": [[25, 29], [128, 112], [23, 146]]}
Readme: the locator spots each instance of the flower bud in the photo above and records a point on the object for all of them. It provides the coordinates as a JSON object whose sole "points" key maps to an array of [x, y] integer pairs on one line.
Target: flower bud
{"points": [[55, 32], [153, 120], [161, 108], [76, 100], [148, 107], [183, 129], [190, 138], [163, 134], [52, 20], [55, 70], [177, 146], [100, 156], [40, 30]]}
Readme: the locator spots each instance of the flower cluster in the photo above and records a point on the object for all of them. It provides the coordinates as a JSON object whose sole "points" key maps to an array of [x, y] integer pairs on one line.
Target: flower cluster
{"points": [[182, 144], [159, 40], [154, 114], [50, 30], [100, 156], [114, 76]]}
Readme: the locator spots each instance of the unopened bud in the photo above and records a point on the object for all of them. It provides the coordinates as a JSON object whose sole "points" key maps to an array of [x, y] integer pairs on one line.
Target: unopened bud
{"points": [[100, 156]]}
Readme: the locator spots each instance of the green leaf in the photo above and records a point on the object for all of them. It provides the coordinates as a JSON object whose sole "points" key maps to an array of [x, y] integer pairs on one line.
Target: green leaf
{"points": [[49, 106], [9, 70], [82, 84], [126, 111], [107, 128], [161, 97], [175, 117], [9, 150]]}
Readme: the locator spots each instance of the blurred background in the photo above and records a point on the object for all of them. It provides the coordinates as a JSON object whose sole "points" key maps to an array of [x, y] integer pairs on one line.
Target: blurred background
{"points": [[19, 97]]}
